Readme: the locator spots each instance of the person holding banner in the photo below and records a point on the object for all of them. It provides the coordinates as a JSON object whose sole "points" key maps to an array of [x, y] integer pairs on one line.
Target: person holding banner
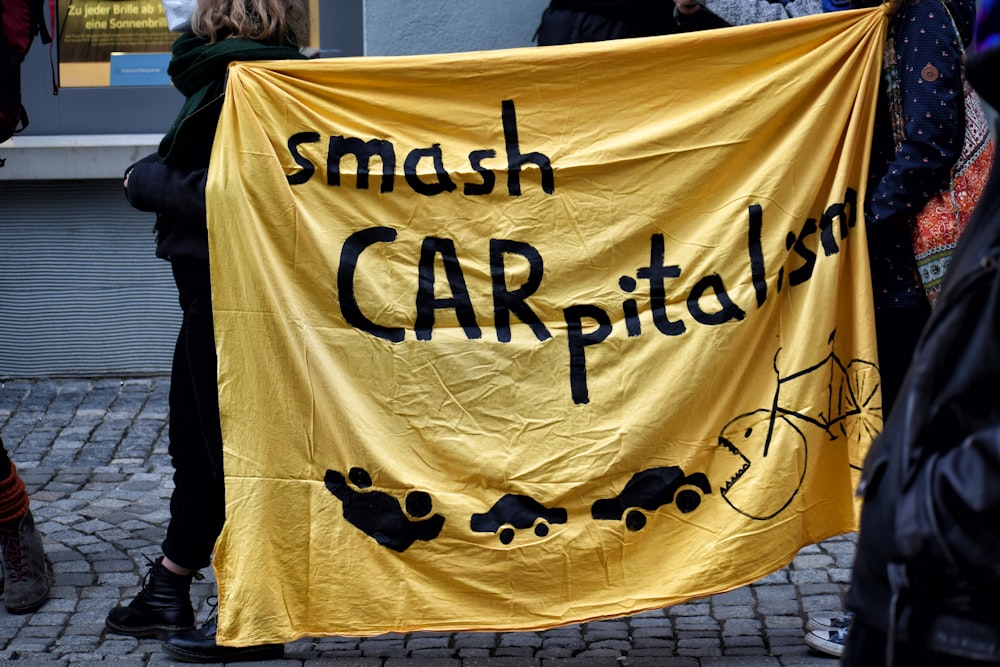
{"points": [[926, 579], [911, 160], [920, 125], [576, 21], [171, 184], [909, 164], [745, 12]]}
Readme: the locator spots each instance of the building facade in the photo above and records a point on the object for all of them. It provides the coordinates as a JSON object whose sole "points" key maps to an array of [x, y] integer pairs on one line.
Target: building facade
{"points": [[81, 293]]}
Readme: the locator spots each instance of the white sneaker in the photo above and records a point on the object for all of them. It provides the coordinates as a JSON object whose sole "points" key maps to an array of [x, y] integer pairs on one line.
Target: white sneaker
{"points": [[829, 622], [830, 642]]}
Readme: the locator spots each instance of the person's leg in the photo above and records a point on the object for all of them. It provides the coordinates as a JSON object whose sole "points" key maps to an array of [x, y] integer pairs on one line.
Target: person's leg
{"points": [[197, 504], [901, 310], [26, 576], [897, 331], [198, 513]]}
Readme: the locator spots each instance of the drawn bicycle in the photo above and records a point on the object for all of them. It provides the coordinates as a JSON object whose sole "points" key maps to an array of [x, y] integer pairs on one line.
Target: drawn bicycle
{"points": [[842, 400]]}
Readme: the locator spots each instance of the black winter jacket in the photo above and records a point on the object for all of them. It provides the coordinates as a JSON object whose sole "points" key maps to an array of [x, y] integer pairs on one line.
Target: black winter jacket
{"points": [[576, 21], [927, 570], [177, 196]]}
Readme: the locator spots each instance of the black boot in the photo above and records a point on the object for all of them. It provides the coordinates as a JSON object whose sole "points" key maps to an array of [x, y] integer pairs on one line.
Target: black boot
{"points": [[162, 606], [199, 646], [25, 570]]}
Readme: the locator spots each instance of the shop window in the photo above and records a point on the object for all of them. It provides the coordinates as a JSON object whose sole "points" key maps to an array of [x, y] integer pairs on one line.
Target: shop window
{"points": [[105, 43]]}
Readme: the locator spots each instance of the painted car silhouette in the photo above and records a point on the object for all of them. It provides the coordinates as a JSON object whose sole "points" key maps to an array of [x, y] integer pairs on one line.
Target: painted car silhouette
{"points": [[380, 515], [516, 512], [649, 490]]}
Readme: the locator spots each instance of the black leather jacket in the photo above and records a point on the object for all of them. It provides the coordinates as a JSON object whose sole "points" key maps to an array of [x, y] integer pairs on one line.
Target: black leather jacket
{"points": [[927, 570]]}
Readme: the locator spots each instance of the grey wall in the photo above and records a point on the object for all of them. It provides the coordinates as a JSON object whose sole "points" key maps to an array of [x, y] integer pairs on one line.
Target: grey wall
{"points": [[407, 27]]}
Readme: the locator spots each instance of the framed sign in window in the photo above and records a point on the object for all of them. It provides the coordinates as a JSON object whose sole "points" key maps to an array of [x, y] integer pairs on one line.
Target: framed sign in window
{"points": [[93, 34], [90, 31], [110, 60]]}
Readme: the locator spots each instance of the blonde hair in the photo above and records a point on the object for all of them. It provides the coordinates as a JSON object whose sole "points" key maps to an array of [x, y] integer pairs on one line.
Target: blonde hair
{"points": [[266, 21]]}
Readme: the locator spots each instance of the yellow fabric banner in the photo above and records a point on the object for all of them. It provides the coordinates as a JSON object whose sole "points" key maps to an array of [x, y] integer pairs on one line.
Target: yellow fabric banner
{"points": [[522, 338]]}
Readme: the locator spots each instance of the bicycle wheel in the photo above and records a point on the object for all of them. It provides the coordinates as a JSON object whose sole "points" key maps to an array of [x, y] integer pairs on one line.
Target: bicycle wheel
{"points": [[859, 402]]}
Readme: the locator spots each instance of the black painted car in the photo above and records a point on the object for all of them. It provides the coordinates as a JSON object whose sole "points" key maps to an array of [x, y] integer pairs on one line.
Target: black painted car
{"points": [[649, 490], [516, 512]]}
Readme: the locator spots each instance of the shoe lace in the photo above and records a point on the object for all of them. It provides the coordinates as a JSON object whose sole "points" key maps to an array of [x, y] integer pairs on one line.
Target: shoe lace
{"points": [[213, 607], [151, 563], [15, 555]]}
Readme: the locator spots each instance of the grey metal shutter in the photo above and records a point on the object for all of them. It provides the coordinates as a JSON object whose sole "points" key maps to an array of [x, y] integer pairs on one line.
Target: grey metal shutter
{"points": [[81, 292]]}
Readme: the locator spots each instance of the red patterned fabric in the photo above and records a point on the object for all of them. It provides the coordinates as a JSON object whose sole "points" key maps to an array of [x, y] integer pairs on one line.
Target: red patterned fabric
{"points": [[942, 220], [13, 497]]}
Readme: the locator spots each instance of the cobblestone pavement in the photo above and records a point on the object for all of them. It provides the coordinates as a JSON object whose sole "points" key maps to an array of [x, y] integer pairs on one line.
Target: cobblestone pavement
{"points": [[93, 455]]}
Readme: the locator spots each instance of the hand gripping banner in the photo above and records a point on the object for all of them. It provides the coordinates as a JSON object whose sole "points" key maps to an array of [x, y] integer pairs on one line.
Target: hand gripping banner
{"points": [[521, 338]]}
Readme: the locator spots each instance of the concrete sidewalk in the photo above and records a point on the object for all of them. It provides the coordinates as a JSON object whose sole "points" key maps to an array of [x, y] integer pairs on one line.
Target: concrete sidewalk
{"points": [[93, 454]]}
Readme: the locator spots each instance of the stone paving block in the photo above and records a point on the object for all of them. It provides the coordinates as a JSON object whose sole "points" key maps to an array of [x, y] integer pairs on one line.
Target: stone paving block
{"points": [[520, 639], [695, 643], [724, 613], [652, 632], [563, 631], [678, 661], [810, 576], [514, 651], [741, 627], [650, 622], [745, 651], [809, 659], [779, 607], [651, 643], [621, 645], [605, 633], [473, 653], [476, 640], [29, 645], [563, 643], [550, 653], [687, 623], [740, 661], [812, 604], [739, 596], [690, 609], [778, 577], [426, 642], [743, 641], [428, 653], [589, 655]]}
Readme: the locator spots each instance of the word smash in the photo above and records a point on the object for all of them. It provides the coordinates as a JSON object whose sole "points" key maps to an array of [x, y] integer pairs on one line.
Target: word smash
{"points": [[832, 227]]}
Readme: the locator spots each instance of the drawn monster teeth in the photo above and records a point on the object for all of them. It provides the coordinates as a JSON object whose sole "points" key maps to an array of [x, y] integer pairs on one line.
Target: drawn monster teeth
{"points": [[727, 445]]}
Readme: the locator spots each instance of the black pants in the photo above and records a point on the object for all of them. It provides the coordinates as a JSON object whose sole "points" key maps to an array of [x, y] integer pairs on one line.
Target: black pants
{"points": [[897, 331], [901, 307], [197, 506], [866, 647]]}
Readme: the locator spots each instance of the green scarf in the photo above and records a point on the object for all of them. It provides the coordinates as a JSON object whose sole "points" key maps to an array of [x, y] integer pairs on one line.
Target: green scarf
{"points": [[198, 70]]}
